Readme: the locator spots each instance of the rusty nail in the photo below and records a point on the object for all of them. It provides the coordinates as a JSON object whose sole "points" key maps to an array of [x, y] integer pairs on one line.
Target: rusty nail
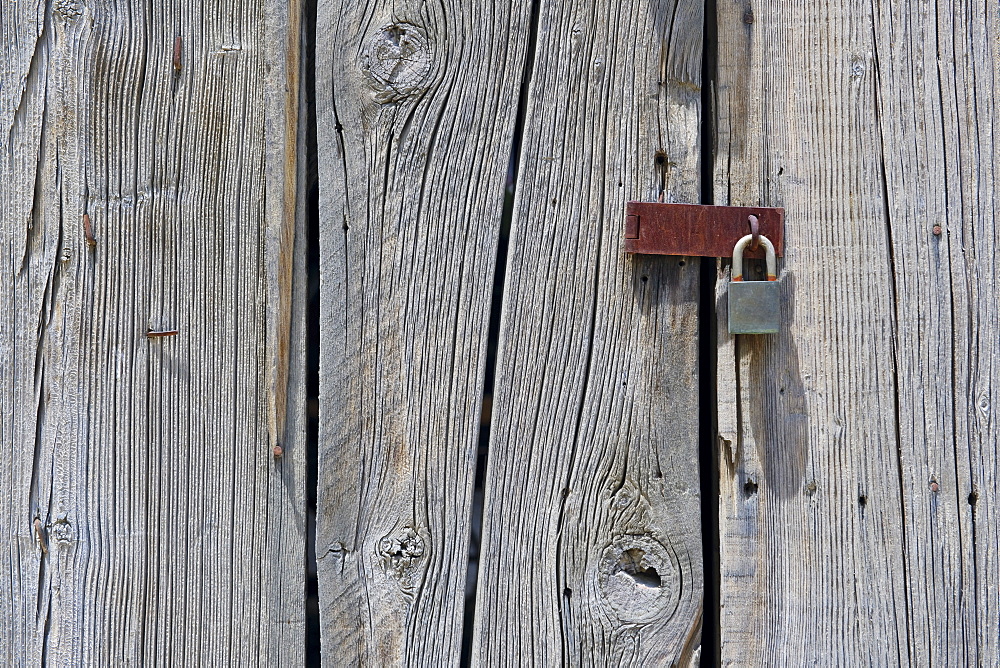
{"points": [[88, 231], [278, 451], [167, 332], [936, 230], [40, 535], [754, 223], [177, 53]]}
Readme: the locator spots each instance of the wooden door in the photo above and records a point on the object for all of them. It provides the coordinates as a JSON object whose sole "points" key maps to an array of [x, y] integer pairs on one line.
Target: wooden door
{"points": [[147, 314], [857, 457], [591, 545]]}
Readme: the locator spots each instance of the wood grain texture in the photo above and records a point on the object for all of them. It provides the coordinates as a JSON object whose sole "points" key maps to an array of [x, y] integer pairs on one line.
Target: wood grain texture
{"points": [[415, 111], [591, 550], [143, 518], [858, 454]]}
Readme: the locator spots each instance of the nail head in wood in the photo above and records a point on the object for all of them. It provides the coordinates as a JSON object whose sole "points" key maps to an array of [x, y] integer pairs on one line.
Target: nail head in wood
{"points": [[177, 53], [160, 334]]}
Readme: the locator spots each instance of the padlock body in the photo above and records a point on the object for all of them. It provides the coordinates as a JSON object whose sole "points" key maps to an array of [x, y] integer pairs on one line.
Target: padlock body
{"points": [[754, 307]]}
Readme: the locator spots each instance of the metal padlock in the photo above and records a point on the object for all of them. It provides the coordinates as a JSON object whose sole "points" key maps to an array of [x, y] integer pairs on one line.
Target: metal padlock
{"points": [[754, 306]]}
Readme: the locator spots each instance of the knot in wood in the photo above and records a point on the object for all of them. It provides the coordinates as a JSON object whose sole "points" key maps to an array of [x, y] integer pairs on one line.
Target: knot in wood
{"points": [[68, 9], [401, 551], [857, 67], [638, 578], [397, 59], [62, 530]]}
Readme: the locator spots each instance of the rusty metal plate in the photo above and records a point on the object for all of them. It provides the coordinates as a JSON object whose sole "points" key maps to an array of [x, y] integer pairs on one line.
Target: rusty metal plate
{"points": [[698, 229]]}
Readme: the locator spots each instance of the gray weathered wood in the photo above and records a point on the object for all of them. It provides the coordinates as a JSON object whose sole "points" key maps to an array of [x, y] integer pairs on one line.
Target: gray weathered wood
{"points": [[143, 518], [858, 446], [415, 110], [591, 549]]}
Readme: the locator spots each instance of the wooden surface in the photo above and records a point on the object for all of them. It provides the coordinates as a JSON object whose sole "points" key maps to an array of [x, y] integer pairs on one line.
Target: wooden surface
{"points": [[858, 446], [150, 183], [414, 125], [143, 518], [591, 550]]}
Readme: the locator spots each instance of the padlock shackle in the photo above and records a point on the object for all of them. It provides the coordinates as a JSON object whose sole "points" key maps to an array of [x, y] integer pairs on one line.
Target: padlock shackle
{"points": [[772, 260]]}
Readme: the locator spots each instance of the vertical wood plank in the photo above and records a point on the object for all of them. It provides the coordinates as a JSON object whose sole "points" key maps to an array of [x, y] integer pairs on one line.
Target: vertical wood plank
{"points": [[591, 550], [415, 110], [858, 463], [144, 519]]}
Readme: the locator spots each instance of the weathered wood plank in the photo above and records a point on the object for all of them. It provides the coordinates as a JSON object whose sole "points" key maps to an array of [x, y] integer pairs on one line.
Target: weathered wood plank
{"points": [[144, 519], [591, 549], [858, 456], [415, 111]]}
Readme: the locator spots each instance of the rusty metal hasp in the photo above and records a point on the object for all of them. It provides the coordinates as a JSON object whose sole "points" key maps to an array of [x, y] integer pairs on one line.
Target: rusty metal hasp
{"points": [[698, 229]]}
